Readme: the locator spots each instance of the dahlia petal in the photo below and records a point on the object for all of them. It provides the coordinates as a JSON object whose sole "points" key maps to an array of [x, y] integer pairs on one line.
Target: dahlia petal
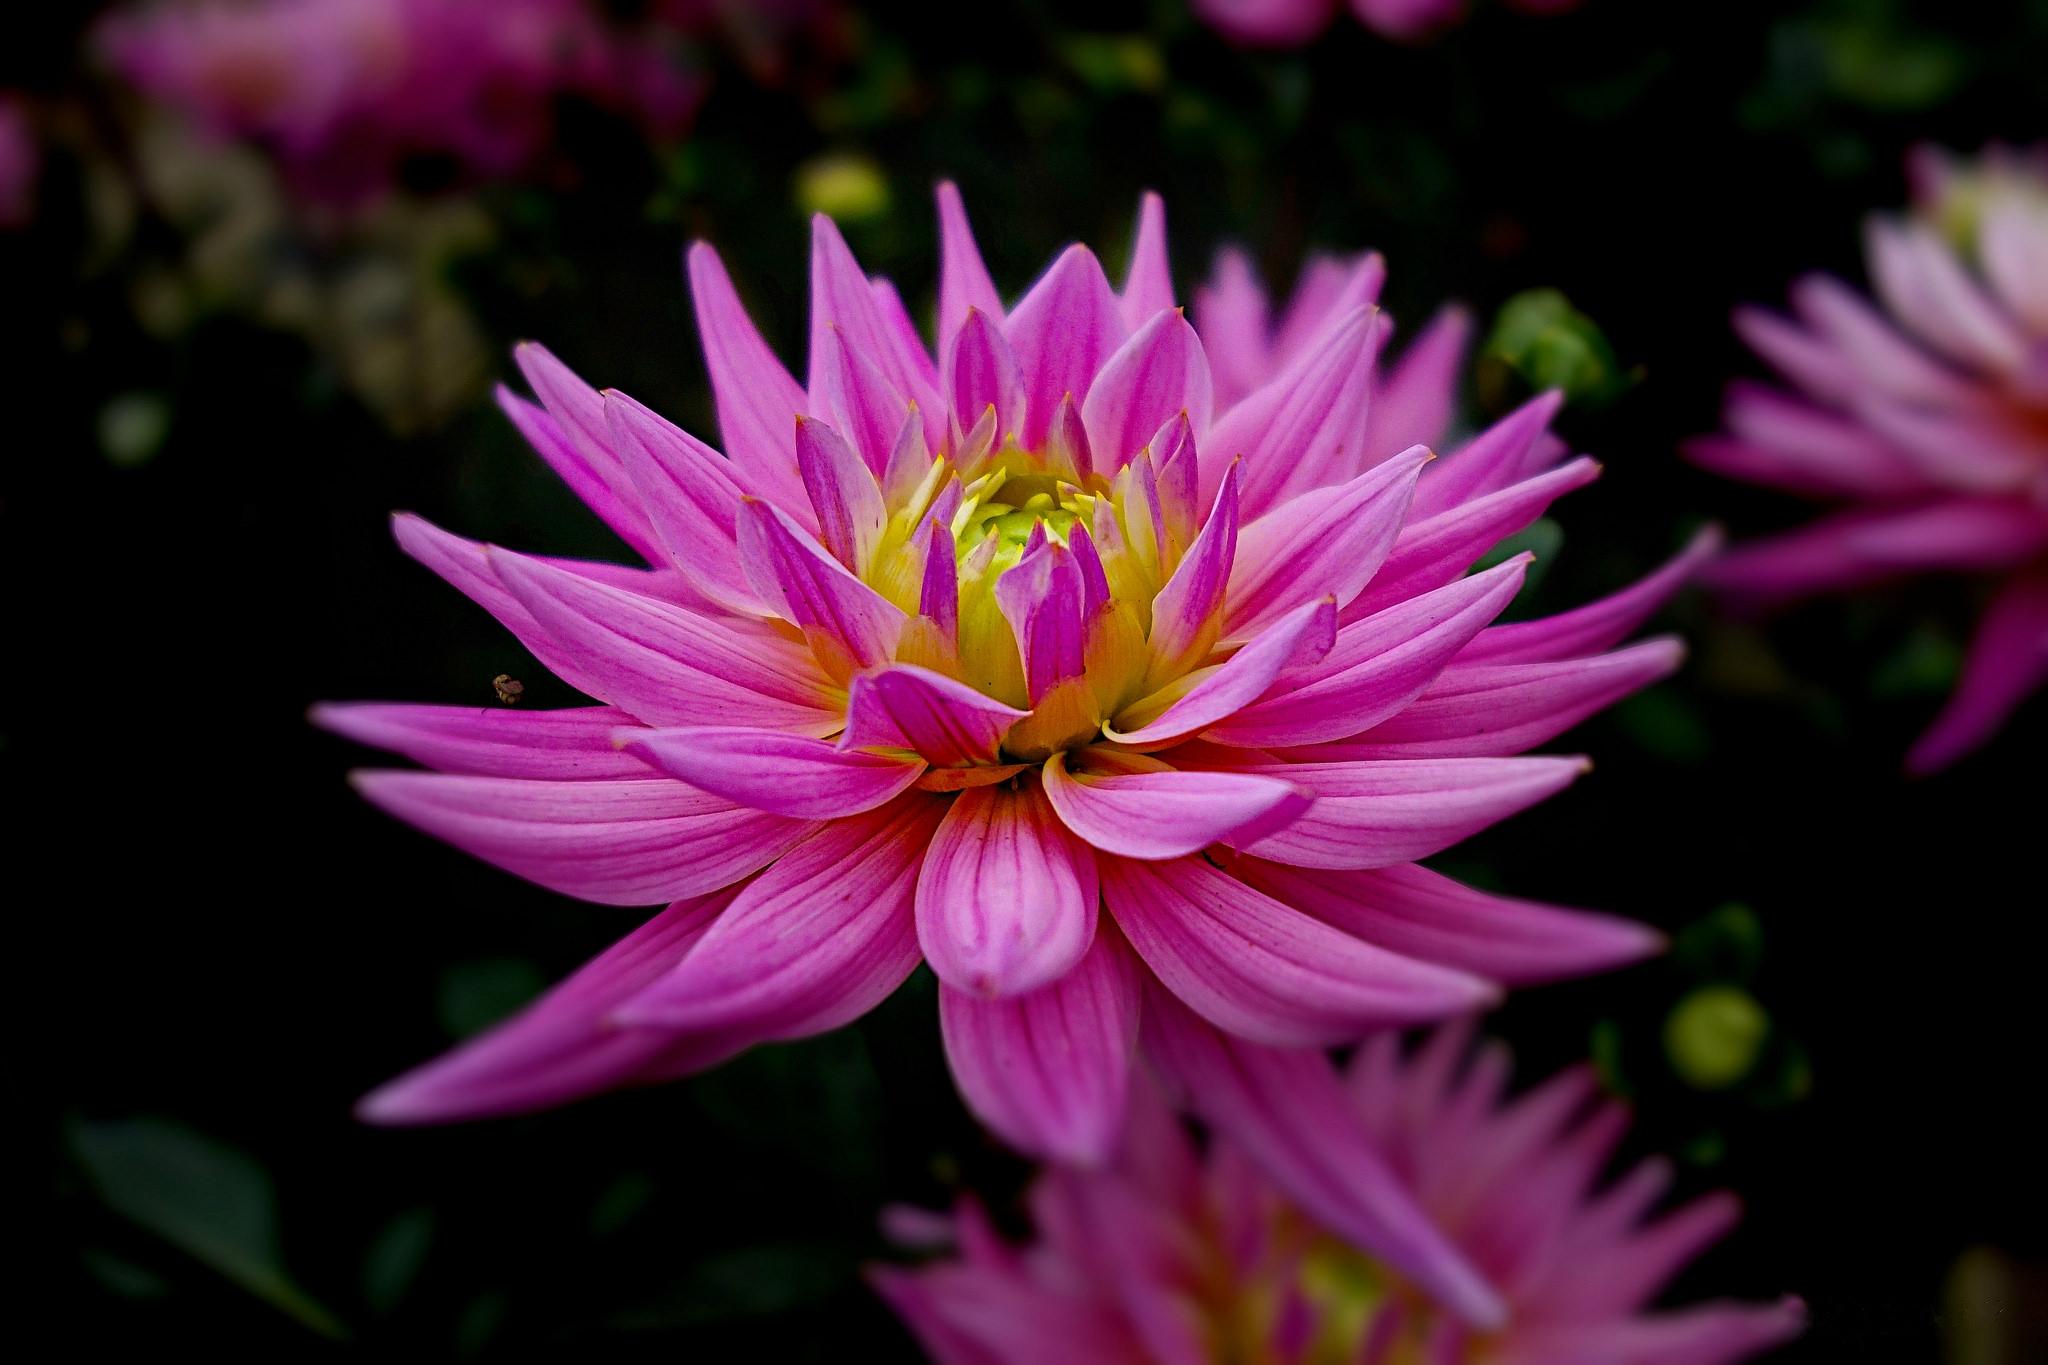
{"points": [[1187, 613], [1420, 914], [664, 664], [567, 745], [1303, 429], [1138, 808], [964, 281], [1050, 1070], [1806, 448], [1041, 599], [1431, 553], [1148, 284], [2007, 662], [1488, 462], [1886, 360], [1375, 814], [1062, 332], [1963, 451], [1627, 1273], [562, 1047], [616, 842], [816, 941], [1717, 1333], [973, 1315], [1929, 292], [691, 499], [755, 396], [843, 493], [843, 298], [1231, 315], [862, 406], [1177, 465], [1094, 577], [614, 505], [1006, 897], [910, 342], [1863, 546], [1377, 666], [1288, 1110], [1415, 401], [1598, 625], [1265, 971], [1299, 638], [1329, 290], [1810, 361], [2012, 242], [793, 775], [948, 723], [850, 626], [981, 373], [1325, 543], [1481, 709], [1158, 372]]}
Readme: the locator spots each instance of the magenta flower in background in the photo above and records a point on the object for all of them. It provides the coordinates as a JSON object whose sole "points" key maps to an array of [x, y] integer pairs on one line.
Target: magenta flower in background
{"points": [[21, 161], [1172, 1254], [945, 656], [342, 90], [1926, 413], [1292, 23]]}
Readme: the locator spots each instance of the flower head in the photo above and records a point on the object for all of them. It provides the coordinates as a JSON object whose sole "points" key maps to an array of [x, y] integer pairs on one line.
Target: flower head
{"points": [[1927, 414], [946, 656], [1169, 1254], [20, 162]]}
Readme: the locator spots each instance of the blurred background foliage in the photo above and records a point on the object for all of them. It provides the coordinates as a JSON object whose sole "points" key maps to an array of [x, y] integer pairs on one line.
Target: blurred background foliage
{"points": [[218, 395]]}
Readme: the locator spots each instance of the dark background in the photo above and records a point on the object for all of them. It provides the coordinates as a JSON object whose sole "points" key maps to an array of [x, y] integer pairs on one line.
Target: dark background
{"points": [[225, 948]]}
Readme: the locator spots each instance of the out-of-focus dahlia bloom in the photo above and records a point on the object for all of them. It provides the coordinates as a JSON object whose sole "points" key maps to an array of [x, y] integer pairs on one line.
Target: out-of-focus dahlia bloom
{"points": [[20, 163], [945, 656], [1291, 23], [343, 90], [1180, 1257], [1928, 413]]}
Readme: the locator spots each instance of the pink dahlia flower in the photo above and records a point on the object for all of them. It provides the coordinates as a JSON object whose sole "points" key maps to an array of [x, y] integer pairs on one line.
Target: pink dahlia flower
{"points": [[342, 90], [1927, 413], [1291, 23], [946, 656], [20, 163], [1171, 1254]]}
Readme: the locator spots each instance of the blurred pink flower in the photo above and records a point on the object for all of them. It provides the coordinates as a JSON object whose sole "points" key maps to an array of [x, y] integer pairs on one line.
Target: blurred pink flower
{"points": [[1292, 23], [1175, 1254], [21, 161], [1929, 417], [947, 654], [342, 90]]}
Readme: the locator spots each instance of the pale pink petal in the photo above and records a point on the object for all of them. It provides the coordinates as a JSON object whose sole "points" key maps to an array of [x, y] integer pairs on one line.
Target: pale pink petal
{"points": [[866, 409], [1863, 546], [1006, 898], [1297, 639], [567, 745], [793, 775], [1187, 613], [1049, 1071], [756, 398], [842, 298], [2012, 243], [1231, 315], [1413, 403], [963, 280], [1148, 284], [1883, 358], [850, 626], [1126, 806], [948, 723], [843, 493], [2007, 663], [619, 842], [816, 941], [1488, 462], [1328, 291], [1597, 625], [691, 498], [1265, 971], [1159, 372], [617, 507], [1305, 428], [1062, 332]]}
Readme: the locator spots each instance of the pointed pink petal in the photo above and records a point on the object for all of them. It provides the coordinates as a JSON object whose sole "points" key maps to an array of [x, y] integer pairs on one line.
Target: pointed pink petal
{"points": [[981, 373], [1489, 461], [1597, 625], [850, 626], [816, 941], [2012, 241], [691, 498], [1377, 667], [1041, 599], [616, 506], [2007, 662], [613, 842], [567, 745], [1062, 332], [562, 1047], [1297, 639], [1185, 613], [1265, 971], [963, 280], [1148, 284], [948, 723], [1375, 814], [1158, 373], [1288, 1110], [1414, 403], [1479, 709], [1006, 898], [1305, 428], [1716, 1333], [663, 663], [843, 494], [866, 409], [1417, 913], [756, 398], [1328, 543], [1328, 291], [843, 298], [793, 775], [1431, 553], [1231, 315], [1863, 546], [1163, 813]]}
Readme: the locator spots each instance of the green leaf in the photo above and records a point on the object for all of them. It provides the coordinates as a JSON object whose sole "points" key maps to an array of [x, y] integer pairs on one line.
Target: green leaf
{"points": [[207, 1199], [396, 1257]]}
